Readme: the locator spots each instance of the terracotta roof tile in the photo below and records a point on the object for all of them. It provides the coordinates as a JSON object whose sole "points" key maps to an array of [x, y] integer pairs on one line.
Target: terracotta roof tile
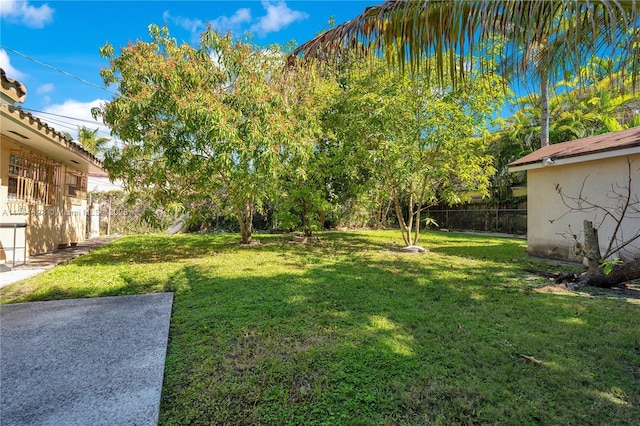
{"points": [[37, 123], [61, 138], [601, 143], [9, 83]]}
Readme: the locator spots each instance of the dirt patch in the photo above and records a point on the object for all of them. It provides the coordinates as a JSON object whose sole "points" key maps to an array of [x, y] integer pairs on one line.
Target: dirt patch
{"points": [[552, 288]]}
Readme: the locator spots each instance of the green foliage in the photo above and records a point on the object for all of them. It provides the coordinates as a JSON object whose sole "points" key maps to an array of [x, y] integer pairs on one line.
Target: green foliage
{"points": [[544, 39], [305, 189], [213, 123], [348, 332], [607, 265], [416, 144], [302, 205], [89, 141], [598, 98]]}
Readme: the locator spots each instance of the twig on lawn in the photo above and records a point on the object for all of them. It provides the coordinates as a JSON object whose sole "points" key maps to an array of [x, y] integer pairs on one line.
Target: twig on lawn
{"points": [[532, 359]]}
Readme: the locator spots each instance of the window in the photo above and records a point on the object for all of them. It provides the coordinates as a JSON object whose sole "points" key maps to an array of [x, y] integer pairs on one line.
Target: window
{"points": [[72, 181], [31, 179], [76, 185]]}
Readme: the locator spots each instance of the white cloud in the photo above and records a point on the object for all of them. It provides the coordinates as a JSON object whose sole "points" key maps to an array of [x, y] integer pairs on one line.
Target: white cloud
{"points": [[192, 25], [222, 23], [24, 13], [45, 88], [233, 23], [5, 64], [278, 16], [71, 114]]}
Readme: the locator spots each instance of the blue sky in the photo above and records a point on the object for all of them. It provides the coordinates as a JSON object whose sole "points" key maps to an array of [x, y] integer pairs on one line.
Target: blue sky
{"points": [[66, 35]]}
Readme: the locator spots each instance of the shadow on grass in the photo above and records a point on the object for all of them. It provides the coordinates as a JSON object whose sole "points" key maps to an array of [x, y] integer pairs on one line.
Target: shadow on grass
{"points": [[347, 332], [164, 248], [366, 345]]}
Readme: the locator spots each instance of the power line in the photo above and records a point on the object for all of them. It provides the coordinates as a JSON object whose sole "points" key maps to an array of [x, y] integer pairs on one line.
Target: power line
{"points": [[72, 125], [65, 116], [68, 74], [59, 124]]}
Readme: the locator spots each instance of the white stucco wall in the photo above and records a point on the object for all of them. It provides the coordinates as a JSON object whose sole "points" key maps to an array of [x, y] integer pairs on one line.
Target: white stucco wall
{"points": [[548, 219]]}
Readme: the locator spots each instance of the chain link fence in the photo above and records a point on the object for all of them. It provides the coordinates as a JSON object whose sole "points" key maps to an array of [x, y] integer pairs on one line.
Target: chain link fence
{"points": [[509, 221]]}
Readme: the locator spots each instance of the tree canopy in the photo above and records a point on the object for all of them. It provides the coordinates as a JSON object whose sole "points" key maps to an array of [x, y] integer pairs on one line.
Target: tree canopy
{"points": [[419, 144], [216, 121]]}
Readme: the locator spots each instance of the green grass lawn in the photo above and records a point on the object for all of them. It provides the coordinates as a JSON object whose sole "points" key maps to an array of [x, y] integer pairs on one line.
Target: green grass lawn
{"points": [[349, 332]]}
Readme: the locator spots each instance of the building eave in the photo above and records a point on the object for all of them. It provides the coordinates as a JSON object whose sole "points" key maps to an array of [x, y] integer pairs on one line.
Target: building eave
{"points": [[555, 162], [29, 130]]}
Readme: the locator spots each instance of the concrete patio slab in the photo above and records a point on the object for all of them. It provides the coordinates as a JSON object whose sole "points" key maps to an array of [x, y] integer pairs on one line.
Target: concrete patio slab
{"points": [[96, 361]]}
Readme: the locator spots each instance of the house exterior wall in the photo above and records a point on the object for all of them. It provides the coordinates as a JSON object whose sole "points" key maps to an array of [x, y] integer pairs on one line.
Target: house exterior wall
{"points": [[548, 219], [62, 219]]}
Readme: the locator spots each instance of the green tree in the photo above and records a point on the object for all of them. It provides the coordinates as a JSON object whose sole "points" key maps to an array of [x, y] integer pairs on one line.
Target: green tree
{"points": [[206, 123], [89, 141], [420, 143], [305, 189], [608, 102], [304, 198]]}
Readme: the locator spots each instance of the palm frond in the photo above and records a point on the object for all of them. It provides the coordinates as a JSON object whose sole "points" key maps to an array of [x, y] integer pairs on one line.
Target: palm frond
{"points": [[551, 35]]}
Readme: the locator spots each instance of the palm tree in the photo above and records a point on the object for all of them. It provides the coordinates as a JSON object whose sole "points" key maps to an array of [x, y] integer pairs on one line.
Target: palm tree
{"points": [[88, 140], [546, 38], [449, 30]]}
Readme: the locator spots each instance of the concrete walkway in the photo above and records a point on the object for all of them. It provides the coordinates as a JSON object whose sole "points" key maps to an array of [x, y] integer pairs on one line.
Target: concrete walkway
{"points": [[41, 262], [96, 361]]}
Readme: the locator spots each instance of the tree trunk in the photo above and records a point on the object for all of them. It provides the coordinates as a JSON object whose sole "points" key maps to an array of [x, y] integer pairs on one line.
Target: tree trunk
{"points": [[379, 208], [544, 113], [620, 273], [591, 246], [385, 222], [245, 216], [246, 239], [240, 219], [322, 216], [416, 234], [403, 226], [595, 276], [305, 219], [410, 217]]}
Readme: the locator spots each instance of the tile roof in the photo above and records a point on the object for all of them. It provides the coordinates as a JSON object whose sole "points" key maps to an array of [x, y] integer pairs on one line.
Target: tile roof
{"points": [[36, 123], [592, 145], [9, 83], [62, 139]]}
